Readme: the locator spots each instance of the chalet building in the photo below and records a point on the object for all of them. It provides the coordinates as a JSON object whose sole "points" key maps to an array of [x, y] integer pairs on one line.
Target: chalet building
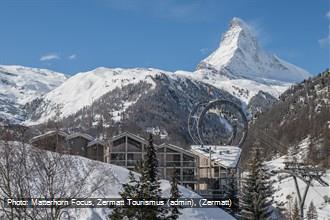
{"points": [[205, 169], [218, 166], [52, 141], [127, 149], [97, 150], [174, 160], [78, 142], [75, 144]]}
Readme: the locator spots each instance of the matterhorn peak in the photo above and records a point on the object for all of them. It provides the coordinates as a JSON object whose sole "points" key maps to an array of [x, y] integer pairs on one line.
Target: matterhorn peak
{"points": [[237, 22], [239, 55]]}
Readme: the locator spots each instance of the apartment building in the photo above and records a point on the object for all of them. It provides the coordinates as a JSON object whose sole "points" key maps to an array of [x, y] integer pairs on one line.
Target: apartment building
{"points": [[205, 169]]}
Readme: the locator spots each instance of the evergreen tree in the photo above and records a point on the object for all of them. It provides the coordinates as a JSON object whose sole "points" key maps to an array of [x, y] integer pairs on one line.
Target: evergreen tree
{"points": [[295, 213], [130, 191], [231, 193], [311, 213], [289, 208], [174, 211], [256, 198], [150, 185]]}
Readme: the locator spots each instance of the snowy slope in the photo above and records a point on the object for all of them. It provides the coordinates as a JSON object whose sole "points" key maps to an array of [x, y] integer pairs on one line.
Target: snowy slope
{"points": [[84, 88], [19, 85], [112, 178], [286, 186], [244, 89], [239, 55]]}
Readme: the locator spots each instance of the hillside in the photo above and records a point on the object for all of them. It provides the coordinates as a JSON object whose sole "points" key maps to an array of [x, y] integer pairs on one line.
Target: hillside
{"points": [[136, 100], [112, 178], [285, 187], [20, 85], [303, 111]]}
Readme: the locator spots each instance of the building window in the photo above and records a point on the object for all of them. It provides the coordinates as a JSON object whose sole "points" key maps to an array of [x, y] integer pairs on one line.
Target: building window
{"points": [[170, 172], [188, 174], [188, 161], [133, 145], [119, 145], [173, 160]]}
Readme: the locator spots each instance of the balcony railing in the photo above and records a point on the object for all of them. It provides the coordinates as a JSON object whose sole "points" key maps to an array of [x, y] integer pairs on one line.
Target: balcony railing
{"points": [[189, 178], [118, 162], [132, 162], [188, 164], [177, 164], [173, 163]]}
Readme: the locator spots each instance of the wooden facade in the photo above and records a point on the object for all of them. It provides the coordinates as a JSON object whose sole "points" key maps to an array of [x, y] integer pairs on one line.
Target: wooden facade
{"points": [[75, 144], [174, 160], [194, 168], [52, 141]]}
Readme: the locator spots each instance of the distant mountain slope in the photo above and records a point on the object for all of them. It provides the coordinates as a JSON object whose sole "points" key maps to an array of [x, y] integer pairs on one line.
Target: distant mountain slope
{"points": [[19, 85], [303, 111], [135, 99]]}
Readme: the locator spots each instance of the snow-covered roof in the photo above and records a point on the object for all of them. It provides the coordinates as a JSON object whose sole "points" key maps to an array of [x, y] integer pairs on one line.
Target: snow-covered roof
{"points": [[78, 134], [227, 156], [49, 133], [95, 141]]}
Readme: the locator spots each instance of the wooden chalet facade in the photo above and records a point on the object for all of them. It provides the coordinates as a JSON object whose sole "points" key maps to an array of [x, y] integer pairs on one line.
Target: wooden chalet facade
{"points": [[75, 144], [205, 169]]}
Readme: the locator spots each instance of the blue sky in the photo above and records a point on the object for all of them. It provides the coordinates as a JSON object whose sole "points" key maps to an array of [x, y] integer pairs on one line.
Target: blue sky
{"points": [[72, 36]]}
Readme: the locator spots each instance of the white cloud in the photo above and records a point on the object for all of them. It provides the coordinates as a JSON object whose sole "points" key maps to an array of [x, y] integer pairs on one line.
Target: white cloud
{"points": [[50, 56], [324, 42], [72, 56], [204, 50]]}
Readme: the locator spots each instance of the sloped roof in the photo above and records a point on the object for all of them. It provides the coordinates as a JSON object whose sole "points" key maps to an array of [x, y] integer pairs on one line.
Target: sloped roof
{"points": [[95, 141], [174, 147], [133, 136], [78, 134], [49, 133], [227, 156]]}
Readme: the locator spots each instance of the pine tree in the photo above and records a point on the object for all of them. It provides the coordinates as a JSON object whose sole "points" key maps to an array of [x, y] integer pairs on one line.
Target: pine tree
{"points": [[231, 193], [311, 213], [289, 208], [295, 213], [256, 198], [174, 211], [130, 191], [150, 185]]}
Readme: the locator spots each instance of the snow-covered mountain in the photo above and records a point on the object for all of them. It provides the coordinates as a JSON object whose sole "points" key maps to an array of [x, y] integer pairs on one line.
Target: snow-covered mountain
{"points": [[241, 67], [84, 88], [20, 85], [138, 98], [240, 56]]}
